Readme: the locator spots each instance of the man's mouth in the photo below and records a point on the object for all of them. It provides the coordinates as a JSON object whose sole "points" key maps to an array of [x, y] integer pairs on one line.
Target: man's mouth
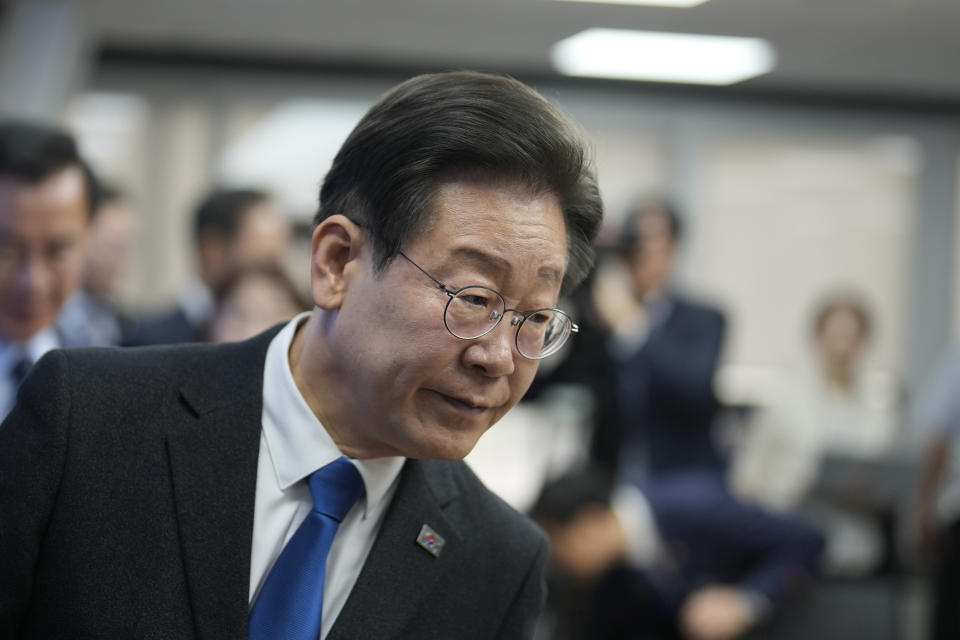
{"points": [[464, 404]]}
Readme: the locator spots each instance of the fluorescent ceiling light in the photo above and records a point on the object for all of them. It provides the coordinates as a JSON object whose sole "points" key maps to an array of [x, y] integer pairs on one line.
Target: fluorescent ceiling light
{"points": [[652, 3], [662, 57]]}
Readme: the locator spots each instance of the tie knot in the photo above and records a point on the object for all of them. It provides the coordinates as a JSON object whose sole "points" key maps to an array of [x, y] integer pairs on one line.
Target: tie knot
{"points": [[20, 369], [335, 488]]}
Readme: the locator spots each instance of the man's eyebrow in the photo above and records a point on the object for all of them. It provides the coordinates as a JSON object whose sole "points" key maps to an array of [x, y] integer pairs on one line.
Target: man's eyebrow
{"points": [[499, 266]]}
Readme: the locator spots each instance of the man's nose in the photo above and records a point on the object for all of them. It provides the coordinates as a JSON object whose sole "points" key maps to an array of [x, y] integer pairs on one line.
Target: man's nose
{"points": [[32, 273], [494, 353]]}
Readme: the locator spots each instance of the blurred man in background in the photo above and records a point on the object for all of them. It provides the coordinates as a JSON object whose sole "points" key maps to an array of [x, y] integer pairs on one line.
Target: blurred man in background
{"points": [[232, 228], [656, 401], [47, 199], [91, 317]]}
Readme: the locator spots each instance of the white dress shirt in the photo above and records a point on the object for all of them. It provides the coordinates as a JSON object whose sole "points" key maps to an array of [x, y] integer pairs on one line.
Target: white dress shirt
{"points": [[294, 444], [13, 352]]}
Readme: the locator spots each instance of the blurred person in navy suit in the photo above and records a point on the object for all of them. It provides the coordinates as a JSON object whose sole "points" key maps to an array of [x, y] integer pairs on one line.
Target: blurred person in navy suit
{"points": [[654, 378], [91, 316], [48, 196], [231, 228]]}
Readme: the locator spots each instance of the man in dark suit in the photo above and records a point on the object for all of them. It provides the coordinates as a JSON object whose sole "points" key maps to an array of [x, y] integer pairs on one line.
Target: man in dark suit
{"points": [[48, 197], [660, 354], [167, 492], [231, 228]]}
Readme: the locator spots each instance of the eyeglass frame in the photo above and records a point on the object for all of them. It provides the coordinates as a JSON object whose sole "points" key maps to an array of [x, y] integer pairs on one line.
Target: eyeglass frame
{"points": [[574, 327]]}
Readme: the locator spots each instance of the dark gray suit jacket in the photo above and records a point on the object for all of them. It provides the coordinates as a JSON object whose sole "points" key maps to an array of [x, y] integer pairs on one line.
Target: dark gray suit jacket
{"points": [[127, 481]]}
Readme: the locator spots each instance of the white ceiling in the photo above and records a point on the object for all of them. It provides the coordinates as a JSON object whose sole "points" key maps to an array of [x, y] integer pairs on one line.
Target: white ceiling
{"points": [[891, 49]]}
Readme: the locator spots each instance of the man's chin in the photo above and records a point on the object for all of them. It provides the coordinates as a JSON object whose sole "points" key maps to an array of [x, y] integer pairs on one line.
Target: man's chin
{"points": [[20, 330], [449, 447]]}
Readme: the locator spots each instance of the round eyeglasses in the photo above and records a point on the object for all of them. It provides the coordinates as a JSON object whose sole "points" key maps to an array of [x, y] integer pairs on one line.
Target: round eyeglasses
{"points": [[473, 312]]}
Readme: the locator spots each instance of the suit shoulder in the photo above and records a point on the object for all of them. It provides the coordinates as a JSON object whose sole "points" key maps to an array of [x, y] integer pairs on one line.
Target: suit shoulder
{"points": [[111, 375], [482, 510], [130, 364]]}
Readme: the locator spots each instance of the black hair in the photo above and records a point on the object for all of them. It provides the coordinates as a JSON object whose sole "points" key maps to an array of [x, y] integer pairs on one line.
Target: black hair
{"points": [[630, 228], [562, 498], [221, 212], [438, 128], [32, 153]]}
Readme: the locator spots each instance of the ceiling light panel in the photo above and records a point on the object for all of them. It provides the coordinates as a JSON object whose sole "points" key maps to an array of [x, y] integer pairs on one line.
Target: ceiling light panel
{"points": [[663, 57], [648, 3]]}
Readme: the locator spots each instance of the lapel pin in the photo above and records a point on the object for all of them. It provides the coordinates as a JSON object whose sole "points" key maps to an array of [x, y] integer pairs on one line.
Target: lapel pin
{"points": [[430, 540]]}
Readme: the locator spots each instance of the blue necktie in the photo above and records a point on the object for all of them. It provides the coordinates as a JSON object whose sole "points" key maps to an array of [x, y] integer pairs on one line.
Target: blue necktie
{"points": [[291, 602]]}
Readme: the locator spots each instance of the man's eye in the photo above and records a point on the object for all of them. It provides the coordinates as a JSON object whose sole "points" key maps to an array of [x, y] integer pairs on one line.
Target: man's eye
{"points": [[477, 301], [56, 252]]}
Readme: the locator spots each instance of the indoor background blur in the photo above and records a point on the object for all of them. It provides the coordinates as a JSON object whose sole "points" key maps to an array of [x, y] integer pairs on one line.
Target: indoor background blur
{"points": [[836, 165]]}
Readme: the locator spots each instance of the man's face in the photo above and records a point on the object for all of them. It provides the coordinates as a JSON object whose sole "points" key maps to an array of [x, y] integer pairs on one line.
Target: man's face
{"points": [[263, 237], [410, 387], [652, 258], [42, 229]]}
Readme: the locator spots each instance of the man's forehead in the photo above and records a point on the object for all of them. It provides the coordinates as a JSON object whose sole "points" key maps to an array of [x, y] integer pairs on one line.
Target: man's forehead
{"points": [[490, 262], [59, 201], [66, 184]]}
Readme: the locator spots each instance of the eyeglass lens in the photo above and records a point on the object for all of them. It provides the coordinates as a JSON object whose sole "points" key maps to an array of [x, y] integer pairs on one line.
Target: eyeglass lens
{"points": [[474, 311]]}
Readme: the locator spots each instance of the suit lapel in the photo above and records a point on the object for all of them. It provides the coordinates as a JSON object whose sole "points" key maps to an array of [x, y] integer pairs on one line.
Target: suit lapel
{"points": [[396, 565], [213, 454]]}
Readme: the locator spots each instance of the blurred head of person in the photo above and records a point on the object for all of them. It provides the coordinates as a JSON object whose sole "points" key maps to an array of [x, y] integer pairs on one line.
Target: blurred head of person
{"points": [[48, 196], [574, 510], [841, 330], [648, 241], [109, 244], [234, 227], [254, 298]]}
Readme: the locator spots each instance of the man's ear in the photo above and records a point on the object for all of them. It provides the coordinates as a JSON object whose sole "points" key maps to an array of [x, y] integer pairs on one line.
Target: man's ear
{"points": [[337, 242]]}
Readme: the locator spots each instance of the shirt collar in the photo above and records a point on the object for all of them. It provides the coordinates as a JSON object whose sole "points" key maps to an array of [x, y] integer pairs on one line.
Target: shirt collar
{"points": [[34, 348], [297, 441]]}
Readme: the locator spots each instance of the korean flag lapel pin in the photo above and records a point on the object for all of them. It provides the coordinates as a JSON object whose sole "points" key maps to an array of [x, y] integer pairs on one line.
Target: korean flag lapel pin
{"points": [[430, 540]]}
